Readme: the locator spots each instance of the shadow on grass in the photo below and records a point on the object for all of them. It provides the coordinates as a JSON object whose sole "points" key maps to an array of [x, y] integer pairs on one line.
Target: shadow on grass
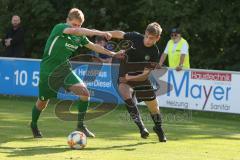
{"points": [[31, 151], [179, 125], [42, 150], [127, 147]]}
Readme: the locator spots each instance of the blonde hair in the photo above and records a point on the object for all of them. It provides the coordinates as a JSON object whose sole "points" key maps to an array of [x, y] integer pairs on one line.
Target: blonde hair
{"points": [[76, 13], [154, 29]]}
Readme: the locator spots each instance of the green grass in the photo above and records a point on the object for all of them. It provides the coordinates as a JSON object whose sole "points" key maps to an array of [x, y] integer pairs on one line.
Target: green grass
{"points": [[192, 135]]}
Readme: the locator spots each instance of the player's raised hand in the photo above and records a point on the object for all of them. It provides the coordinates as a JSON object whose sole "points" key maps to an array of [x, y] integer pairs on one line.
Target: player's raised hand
{"points": [[107, 35], [120, 54]]}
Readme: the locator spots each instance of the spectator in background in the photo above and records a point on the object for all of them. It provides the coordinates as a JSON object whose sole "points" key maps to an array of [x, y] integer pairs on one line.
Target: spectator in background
{"points": [[100, 57], [14, 39], [177, 50]]}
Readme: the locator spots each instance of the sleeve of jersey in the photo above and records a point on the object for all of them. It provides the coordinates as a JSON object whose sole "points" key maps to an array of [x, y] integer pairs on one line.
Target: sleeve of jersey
{"points": [[84, 41], [59, 28], [184, 49], [131, 35]]}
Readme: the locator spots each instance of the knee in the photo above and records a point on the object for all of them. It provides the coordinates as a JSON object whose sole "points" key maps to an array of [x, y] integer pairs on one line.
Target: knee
{"points": [[85, 95], [126, 94], [154, 110], [85, 98], [82, 92], [153, 106], [41, 105]]}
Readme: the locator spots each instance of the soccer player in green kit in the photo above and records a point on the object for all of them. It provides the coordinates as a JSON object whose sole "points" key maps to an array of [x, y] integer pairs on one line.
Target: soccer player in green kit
{"points": [[56, 71]]}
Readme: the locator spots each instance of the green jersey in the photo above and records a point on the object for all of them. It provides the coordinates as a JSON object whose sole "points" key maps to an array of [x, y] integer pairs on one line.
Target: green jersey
{"points": [[55, 68], [59, 48]]}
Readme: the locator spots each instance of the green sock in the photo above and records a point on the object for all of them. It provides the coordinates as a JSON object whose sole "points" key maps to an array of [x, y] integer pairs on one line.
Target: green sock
{"points": [[82, 107], [35, 116]]}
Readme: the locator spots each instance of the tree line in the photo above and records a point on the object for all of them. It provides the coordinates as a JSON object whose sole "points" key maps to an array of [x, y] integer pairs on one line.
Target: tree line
{"points": [[212, 28]]}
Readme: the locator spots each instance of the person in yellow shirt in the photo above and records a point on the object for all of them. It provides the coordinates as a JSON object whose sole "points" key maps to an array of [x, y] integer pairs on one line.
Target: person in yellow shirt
{"points": [[177, 50]]}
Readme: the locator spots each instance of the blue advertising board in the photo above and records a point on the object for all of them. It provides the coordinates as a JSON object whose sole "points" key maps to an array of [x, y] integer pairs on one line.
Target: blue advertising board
{"points": [[21, 77]]}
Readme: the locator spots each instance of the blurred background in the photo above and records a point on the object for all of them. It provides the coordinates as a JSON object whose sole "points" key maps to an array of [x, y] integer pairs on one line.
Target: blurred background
{"points": [[212, 27]]}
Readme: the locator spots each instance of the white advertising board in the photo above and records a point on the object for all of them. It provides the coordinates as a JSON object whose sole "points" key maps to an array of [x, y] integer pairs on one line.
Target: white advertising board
{"points": [[208, 90]]}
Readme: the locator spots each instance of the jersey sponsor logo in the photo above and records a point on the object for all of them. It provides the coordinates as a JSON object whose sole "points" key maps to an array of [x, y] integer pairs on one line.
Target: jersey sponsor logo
{"points": [[147, 57], [70, 46]]}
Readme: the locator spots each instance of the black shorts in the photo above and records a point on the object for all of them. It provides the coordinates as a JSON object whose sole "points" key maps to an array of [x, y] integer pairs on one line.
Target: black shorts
{"points": [[143, 90]]}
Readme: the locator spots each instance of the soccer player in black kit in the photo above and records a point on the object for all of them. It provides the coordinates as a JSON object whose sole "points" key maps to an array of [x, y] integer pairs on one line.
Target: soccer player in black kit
{"points": [[133, 83]]}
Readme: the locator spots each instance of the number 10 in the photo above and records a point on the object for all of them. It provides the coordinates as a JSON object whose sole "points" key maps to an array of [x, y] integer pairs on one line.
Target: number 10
{"points": [[21, 77]]}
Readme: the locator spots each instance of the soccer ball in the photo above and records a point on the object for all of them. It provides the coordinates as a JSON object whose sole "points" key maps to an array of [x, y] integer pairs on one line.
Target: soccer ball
{"points": [[77, 140]]}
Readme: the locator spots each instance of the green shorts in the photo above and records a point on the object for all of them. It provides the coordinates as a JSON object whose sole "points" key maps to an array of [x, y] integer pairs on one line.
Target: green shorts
{"points": [[49, 84]]}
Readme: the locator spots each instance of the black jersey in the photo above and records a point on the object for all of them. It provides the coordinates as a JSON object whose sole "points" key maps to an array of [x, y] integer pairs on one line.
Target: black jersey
{"points": [[138, 57]]}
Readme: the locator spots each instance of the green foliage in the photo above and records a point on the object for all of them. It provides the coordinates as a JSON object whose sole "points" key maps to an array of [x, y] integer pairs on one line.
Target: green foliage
{"points": [[212, 28]]}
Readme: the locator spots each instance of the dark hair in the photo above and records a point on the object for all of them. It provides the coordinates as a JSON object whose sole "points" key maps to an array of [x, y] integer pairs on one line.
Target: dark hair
{"points": [[100, 38]]}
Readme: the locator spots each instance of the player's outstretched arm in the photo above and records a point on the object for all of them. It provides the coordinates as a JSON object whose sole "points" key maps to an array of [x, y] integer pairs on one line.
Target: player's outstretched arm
{"points": [[140, 77], [100, 49], [117, 34], [87, 32]]}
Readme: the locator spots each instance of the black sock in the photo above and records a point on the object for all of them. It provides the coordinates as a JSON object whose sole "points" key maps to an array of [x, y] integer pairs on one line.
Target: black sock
{"points": [[134, 113], [157, 119]]}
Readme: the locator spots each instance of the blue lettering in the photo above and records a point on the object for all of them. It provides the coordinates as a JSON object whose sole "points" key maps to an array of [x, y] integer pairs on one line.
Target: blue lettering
{"points": [[198, 89], [218, 93], [227, 92], [177, 89]]}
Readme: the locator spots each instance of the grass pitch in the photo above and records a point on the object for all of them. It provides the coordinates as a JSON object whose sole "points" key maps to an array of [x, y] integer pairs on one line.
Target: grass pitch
{"points": [[191, 135]]}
